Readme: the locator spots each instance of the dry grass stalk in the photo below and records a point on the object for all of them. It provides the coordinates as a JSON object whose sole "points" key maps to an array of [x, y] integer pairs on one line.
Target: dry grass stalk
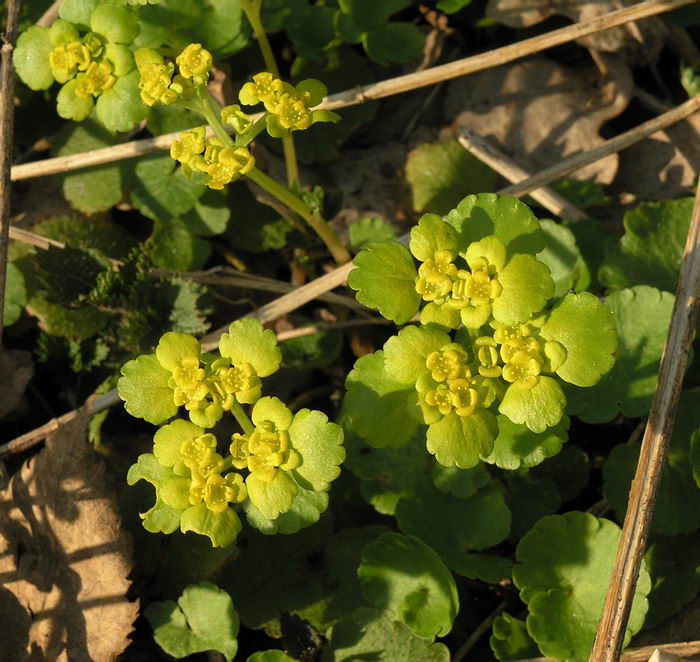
{"points": [[379, 90], [7, 117], [495, 159], [640, 507]]}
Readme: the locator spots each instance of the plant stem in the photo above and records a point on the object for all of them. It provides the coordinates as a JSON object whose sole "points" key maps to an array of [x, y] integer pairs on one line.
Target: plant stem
{"points": [[242, 418], [212, 114], [311, 216], [252, 11]]}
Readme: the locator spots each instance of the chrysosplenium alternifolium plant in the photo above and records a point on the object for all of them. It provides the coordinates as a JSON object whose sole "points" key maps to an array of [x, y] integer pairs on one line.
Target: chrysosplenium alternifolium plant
{"points": [[278, 469], [491, 343], [94, 65]]}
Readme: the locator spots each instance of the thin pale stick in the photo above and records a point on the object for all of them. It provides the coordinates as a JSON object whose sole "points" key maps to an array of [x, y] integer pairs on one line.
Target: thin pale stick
{"points": [[27, 237], [50, 15], [7, 119], [498, 161], [684, 650], [379, 90], [624, 140], [640, 507]]}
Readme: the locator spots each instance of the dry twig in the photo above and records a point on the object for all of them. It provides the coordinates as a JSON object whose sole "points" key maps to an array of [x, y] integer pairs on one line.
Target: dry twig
{"points": [[7, 116], [657, 434], [498, 161]]}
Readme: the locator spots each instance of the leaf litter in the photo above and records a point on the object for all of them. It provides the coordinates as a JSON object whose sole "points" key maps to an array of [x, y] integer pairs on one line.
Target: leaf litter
{"points": [[64, 558]]}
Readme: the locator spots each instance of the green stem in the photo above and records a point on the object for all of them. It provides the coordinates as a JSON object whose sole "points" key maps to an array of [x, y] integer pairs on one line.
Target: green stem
{"points": [[244, 139], [209, 109], [311, 216], [242, 418], [252, 11]]}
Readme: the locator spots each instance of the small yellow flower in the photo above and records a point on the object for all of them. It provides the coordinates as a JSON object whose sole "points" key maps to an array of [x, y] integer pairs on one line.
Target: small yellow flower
{"points": [[195, 64]]}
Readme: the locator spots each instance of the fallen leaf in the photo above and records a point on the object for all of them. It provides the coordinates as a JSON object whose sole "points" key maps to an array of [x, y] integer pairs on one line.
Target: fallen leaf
{"points": [[16, 369], [539, 112], [64, 559], [638, 42]]}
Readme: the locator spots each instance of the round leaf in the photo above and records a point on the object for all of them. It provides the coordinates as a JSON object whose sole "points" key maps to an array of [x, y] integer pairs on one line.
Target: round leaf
{"points": [[145, 390], [385, 279], [406, 353], [31, 58], [402, 574], [462, 441], [539, 407], [221, 528], [247, 341]]}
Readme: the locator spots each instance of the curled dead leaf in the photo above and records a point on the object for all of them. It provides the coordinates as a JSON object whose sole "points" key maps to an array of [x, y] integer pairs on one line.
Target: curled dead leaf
{"points": [[64, 558]]}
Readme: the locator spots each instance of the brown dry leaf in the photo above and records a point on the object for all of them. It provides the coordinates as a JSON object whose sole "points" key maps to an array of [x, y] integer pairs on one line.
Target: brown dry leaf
{"points": [[64, 559], [637, 42], [539, 112], [16, 369], [665, 165]]}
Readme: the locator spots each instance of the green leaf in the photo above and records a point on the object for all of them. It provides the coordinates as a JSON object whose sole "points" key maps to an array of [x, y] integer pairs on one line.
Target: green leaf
{"points": [[430, 235], [539, 407], [209, 216], [248, 342], [222, 28], [118, 25], [145, 390], [15, 294], [164, 22], [517, 446], [562, 256], [120, 108], [173, 246], [650, 251], [461, 483], [529, 498], [440, 174], [306, 510], [270, 656], [564, 570], [203, 619], [92, 189], [674, 566], [452, 526], [462, 441], [405, 354], [586, 329], [366, 631], [382, 411], [484, 567], [569, 470], [582, 193], [385, 278], [79, 324], [527, 286], [92, 234], [367, 230], [160, 191], [168, 119], [312, 350], [31, 58], [221, 528], [478, 216], [510, 639], [320, 444], [394, 42], [78, 11], [72, 106], [311, 31], [67, 274], [161, 517], [260, 581], [402, 574], [642, 315]]}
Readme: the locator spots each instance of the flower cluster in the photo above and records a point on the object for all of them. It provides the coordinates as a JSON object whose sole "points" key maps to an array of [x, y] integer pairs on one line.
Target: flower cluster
{"points": [[281, 462], [159, 81], [220, 163], [479, 271], [86, 64], [288, 106]]}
